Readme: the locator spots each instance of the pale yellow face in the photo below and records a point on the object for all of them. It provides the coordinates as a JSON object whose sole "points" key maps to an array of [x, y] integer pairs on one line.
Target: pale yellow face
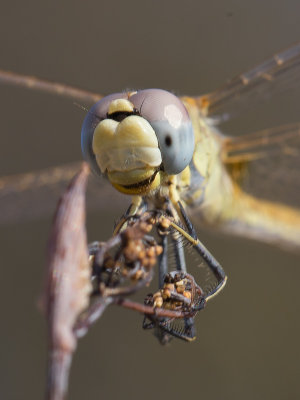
{"points": [[138, 138], [127, 150]]}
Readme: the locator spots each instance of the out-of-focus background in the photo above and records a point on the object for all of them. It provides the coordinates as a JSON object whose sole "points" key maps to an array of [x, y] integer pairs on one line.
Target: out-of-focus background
{"points": [[248, 337]]}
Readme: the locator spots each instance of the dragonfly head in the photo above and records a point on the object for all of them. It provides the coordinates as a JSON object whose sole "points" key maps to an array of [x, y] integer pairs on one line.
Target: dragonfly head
{"points": [[136, 138]]}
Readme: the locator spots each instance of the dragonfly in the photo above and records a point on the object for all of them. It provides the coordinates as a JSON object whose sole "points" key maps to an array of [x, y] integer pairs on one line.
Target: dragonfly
{"points": [[247, 185]]}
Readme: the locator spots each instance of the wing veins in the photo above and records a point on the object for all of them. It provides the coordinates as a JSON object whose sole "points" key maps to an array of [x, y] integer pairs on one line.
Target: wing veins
{"points": [[31, 82], [260, 139], [283, 67]]}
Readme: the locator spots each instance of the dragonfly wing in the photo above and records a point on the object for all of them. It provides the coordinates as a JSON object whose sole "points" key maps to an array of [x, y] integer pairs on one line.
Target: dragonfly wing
{"points": [[35, 195], [265, 171], [277, 74], [266, 164], [33, 83]]}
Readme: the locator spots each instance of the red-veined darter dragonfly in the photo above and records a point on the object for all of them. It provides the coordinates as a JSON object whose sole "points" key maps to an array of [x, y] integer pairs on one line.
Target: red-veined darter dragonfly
{"points": [[184, 155]]}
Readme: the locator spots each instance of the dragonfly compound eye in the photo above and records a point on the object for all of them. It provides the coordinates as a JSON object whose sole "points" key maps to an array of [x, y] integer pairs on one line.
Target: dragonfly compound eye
{"points": [[171, 122], [136, 137]]}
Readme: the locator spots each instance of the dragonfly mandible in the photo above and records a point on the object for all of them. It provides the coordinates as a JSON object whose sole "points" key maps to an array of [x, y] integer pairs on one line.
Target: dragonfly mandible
{"points": [[224, 184]]}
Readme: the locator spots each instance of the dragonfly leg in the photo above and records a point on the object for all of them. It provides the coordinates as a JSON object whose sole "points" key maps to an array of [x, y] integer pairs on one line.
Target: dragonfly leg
{"points": [[212, 263], [163, 261], [178, 251], [148, 324], [179, 255], [190, 331], [138, 206], [186, 333], [215, 267], [165, 330]]}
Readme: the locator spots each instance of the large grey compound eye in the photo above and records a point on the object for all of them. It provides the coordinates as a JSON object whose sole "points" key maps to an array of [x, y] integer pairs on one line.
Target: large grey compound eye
{"points": [[172, 125], [96, 114]]}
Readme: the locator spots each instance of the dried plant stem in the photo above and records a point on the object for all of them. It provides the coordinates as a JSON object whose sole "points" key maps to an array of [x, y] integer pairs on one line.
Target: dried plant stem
{"points": [[59, 363], [160, 312], [68, 285]]}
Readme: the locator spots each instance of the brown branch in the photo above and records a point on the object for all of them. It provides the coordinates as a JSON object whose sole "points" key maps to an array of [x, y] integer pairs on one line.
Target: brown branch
{"points": [[68, 285], [159, 312]]}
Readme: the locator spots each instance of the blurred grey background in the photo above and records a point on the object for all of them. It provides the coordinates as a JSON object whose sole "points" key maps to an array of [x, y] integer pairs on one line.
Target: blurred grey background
{"points": [[248, 337]]}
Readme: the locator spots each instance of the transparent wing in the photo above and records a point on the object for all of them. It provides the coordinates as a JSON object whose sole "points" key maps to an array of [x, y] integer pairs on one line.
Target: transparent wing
{"points": [[266, 164], [31, 82], [34, 195], [277, 74]]}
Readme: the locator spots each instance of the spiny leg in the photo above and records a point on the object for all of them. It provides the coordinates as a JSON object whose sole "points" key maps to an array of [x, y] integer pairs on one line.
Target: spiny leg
{"points": [[137, 207], [189, 324], [177, 245], [164, 325], [163, 261], [148, 321], [187, 333], [179, 254], [212, 263], [180, 266]]}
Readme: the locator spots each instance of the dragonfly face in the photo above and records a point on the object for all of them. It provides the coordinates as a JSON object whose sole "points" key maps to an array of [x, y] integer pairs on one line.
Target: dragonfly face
{"points": [[138, 138]]}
